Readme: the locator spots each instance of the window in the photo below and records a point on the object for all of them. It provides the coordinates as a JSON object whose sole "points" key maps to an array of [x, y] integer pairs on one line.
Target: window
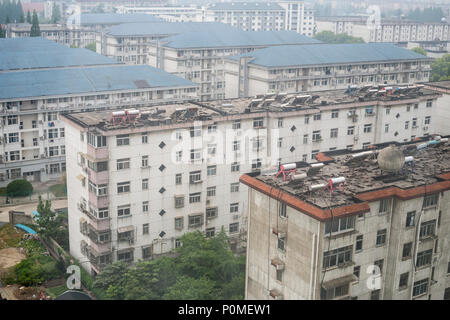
{"points": [[334, 114], [356, 271], [211, 191], [123, 187], [280, 275], [236, 124], [123, 164], [282, 210], [195, 221], [414, 122], [317, 116], [427, 120], [210, 232], [179, 222], [179, 201], [212, 149], [280, 122], [146, 252], [144, 138], [403, 283], [281, 243], [234, 207], [429, 103], [350, 130], [386, 128], [125, 256], [359, 243], [256, 164], [236, 145], [235, 167], [145, 184], [336, 292], [52, 133], [305, 138], [316, 136], [406, 124], [53, 151], [367, 128], [384, 205], [178, 178], [144, 161], [145, 206], [196, 154], [211, 170], [410, 216], [341, 224], [194, 177], [123, 211], [234, 227], [381, 237], [407, 248], [427, 228], [337, 256], [212, 128], [145, 228], [306, 119], [430, 201], [424, 258], [234, 187], [258, 123], [195, 132], [379, 264], [420, 287], [123, 140], [334, 133], [194, 197], [375, 295]]}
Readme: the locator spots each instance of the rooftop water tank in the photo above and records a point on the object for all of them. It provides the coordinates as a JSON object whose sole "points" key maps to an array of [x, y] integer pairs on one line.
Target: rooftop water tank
{"points": [[391, 159]]}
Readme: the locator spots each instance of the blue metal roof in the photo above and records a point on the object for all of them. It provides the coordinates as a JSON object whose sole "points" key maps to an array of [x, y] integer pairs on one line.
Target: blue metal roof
{"points": [[55, 82], [283, 56], [242, 6], [165, 28], [236, 38], [116, 18], [32, 53]]}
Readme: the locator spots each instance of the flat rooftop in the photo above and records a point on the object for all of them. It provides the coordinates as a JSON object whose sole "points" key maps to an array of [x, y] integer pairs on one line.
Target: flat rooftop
{"points": [[65, 81], [116, 18], [39, 53], [362, 175], [244, 6], [325, 54], [199, 111]]}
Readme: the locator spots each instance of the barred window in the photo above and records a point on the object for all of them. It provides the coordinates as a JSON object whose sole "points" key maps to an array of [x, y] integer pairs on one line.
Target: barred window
{"points": [[337, 256]]}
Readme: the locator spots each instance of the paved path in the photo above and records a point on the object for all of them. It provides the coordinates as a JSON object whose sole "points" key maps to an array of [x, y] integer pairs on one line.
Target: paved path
{"points": [[28, 208]]}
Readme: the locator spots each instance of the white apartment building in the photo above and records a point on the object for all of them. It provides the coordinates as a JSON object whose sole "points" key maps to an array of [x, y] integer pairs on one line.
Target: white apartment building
{"points": [[392, 31], [322, 67], [40, 79], [136, 183], [352, 230], [442, 114], [249, 16], [199, 56], [131, 42]]}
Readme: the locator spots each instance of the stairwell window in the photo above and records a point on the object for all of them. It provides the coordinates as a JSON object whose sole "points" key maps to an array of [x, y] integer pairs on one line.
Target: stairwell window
{"points": [[427, 228], [430, 201]]}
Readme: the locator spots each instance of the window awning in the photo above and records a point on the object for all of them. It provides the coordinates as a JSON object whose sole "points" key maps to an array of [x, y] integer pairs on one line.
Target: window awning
{"points": [[125, 229], [339, 281]]}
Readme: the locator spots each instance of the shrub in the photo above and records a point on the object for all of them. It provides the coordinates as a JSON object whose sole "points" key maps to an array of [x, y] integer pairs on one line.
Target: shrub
{"points": [[19, 188]]}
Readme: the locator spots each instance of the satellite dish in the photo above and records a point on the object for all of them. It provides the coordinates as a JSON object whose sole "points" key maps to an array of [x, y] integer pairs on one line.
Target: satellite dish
{"points": [[391, 159]]}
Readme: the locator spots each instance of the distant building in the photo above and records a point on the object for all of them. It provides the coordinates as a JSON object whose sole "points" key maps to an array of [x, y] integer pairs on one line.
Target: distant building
{"points": [[352, 229], [40, 79], [443, 114], [322, 67]]}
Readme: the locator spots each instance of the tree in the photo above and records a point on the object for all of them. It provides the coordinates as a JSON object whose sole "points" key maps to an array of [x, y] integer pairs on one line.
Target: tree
{"points": [[47, 223], [28, 17], [19, 188], [92, 47], [330, 37], [187, 288], [2, 32], [419, 50], [35, 29], [7, 21], [56, 14], [440, 69]]}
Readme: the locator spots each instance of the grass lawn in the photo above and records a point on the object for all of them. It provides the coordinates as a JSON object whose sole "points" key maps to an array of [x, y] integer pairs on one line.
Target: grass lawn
{"points": [[56, 291], [10, 237], [59, 190]]}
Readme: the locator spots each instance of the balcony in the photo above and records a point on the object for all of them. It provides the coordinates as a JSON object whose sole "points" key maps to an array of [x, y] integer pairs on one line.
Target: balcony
{"points": [[97, 153], [101, 177], [98, 201]]}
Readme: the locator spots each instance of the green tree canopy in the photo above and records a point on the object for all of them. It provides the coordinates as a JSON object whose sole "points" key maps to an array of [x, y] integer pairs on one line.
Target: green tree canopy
{"points": [[28, 17], [419, 50], [92, 47], [35, 29], [330, 37], [430, 14], [48, 226], [19, 188], [202, 268], [10, 11], [440, 69]]}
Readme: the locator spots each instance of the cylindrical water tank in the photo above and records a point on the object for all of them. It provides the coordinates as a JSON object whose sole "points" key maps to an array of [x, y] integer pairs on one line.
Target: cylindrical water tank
{"points": [[422, 146], [317, 186], [288, 166], [118, 113], [317, 165], [133, 111], [361, 154], [409, 159], [443, 140], [300, 176], [337, 180]]}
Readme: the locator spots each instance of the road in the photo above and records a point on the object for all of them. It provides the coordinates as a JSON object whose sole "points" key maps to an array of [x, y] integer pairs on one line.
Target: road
{"points": [[28, 208]]}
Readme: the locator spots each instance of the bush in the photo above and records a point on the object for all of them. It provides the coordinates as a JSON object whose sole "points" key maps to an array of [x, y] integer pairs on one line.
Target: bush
{"points": [[19, 188]]}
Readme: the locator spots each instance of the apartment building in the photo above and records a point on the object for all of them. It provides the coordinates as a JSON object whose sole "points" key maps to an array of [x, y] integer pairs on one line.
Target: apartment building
{"points": [[40, 79], [392, 31], [199, 56], [368, 225], [322, 67], [131, 42], [249, 16], [109, 6], [442, 114], [129, 203]]}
